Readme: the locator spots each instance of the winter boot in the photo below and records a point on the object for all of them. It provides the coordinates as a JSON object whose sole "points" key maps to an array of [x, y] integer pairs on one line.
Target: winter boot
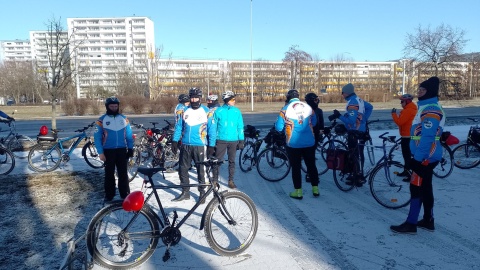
{"points": [[231, 184], [403, 174], [426, 224], [315, 191], [405, 227], [185, 195], [297, 194]]}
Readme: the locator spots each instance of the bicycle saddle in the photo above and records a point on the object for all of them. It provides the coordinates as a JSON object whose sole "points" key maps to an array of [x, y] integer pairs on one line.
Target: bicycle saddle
{"points": [[150, 171]]}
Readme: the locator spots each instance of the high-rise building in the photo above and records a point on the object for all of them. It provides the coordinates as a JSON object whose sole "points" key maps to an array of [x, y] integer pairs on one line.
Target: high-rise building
{"points": [[15, 50], [104, 47]]}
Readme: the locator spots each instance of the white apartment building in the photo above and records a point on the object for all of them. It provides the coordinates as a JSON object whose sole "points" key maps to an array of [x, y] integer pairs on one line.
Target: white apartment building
{"points": [[15, 50], [103, 47]]}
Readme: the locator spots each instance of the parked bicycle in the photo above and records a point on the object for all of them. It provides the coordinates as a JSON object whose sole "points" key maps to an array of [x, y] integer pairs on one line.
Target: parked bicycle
{"points": [[467, 155], [125, 234], [7, 160], [18, 144], [49, 152], [386, 186]]}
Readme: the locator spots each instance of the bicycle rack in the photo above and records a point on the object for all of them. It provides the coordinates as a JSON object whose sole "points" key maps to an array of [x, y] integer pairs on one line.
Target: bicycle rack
{"points": [[72, 255]]}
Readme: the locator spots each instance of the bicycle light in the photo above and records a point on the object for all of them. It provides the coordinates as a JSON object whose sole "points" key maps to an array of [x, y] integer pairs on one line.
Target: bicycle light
{"points": [[43, 130], [134, 201]]}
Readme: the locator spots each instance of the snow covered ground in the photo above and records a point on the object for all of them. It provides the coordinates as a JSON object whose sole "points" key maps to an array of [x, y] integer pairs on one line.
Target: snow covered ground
{"points": [[337, 230]]}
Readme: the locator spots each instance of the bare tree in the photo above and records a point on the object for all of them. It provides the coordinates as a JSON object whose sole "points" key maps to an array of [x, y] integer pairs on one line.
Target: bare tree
{"points": [[295, 58]]}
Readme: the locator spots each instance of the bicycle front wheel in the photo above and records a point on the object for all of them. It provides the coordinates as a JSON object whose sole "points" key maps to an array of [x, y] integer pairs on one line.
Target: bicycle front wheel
{"points": [[20, 145], [90, 154], [445, 166], [466, 156], [113, 245], [387, 187], [247, 157], [273, 164], [7, 161], [44, 157], [231, 225]]}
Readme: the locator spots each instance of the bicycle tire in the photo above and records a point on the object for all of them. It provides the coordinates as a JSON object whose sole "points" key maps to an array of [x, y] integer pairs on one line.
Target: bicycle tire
{"points": [[389, 191], [466, 156], [7, 161], [273, 166], [19, 145], [231, 237], [133, 163], [169, 159], [246, 158], [445, 166], [329, 143], [114, 248], [44, 157], [91, 156], [370, 151], [395, 153]]}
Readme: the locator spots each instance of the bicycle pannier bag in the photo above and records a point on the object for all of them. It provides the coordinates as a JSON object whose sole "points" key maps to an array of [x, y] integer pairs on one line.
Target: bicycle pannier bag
{"points": [[336, 159]]}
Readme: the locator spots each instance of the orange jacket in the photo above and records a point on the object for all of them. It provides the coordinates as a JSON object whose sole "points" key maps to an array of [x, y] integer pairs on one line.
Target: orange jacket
{"points": [[404, 120]]}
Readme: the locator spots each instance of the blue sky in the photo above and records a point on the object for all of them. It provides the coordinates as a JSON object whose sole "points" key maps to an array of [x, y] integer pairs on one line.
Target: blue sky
{"points": [[372, 30]]}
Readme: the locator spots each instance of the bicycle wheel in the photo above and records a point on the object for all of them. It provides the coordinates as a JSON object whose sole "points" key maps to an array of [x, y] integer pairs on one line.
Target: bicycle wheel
{"points": [[90, 154], [343, 177], [231, 226], [466, 156], [133, 164], [389, 189], [395, 153], [273, 164], [44, 157], [445, 166], [113, 245], [7, 161], [370, 151], [20, 145], [169, 159], [246, 158], [330, 144]]}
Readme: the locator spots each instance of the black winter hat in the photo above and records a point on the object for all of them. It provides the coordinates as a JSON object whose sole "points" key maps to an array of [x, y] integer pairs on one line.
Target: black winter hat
{"points": [[432, 85]]}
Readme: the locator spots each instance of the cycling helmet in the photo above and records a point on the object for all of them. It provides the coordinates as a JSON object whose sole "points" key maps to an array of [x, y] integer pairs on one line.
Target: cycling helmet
{"points": [[293, 93], [134, 201], [183, 98], [212, 97], [406, 97], [112, 100], [195, 92], [228, 95], [310, 97]]}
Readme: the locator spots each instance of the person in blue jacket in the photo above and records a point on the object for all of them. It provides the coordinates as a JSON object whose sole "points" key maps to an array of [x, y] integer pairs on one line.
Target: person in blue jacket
{"points": [[355, 119], [425, 132], [230, 137], [114, 143], [193, 127], [297, 120], [183, 102]]}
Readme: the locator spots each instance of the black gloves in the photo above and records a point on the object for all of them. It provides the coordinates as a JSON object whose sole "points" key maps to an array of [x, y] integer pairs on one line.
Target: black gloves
{"points": [[175, 147], [394, 110], [210, 152], [240, 145], [336, 114], [129, 153]]}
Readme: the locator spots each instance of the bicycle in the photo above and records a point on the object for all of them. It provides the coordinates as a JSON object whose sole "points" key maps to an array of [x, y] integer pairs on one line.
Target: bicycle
{"points": [[7, 160], [16, 143], [467, 155], [49, 152], [388, 189], [121, 239]]}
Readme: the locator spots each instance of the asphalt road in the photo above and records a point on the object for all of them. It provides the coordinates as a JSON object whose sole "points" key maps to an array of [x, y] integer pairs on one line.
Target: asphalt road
{"points": [[260, 120]]}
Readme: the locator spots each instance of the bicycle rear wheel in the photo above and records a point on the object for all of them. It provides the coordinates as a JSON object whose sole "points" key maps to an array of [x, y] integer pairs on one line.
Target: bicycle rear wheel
{"points": [[389, 189], [114, 246], [466, 156], [20, 145], [44, 157], [247, 157], [231, 226], [445, 166], [273, 164], [133, 164], [90, 154], [7, 161]]}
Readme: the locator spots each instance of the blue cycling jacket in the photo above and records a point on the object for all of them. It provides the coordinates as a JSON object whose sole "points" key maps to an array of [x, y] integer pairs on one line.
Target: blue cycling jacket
{"points": [[229, 122], [297, 120], [112, 132], [357, 113], [178, 111], [193, 126]]}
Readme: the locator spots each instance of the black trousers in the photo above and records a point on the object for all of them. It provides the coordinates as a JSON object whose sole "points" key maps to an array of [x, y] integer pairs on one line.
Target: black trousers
{"points": [[425, 191], [116, 158], [187, 154], [231, 149], [406, 153], [295, 156], [353, 139]]}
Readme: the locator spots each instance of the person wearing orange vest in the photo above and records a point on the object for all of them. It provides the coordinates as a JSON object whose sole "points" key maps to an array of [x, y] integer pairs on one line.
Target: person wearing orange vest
{"points": [[404, 122]]}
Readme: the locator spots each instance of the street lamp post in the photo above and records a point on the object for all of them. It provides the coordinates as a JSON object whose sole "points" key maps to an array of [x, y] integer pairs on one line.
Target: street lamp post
{"points": [[251, 53], [208, 75], [471, 77], [403, 78]]}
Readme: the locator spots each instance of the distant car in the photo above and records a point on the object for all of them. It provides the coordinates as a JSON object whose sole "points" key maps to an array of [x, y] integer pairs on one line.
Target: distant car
{"points": [[10, 102], [46, 102]]}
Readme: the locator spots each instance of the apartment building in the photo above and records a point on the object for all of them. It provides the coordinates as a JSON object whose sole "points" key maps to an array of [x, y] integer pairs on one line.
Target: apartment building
{"points": [[103, 47], [15, 50]]}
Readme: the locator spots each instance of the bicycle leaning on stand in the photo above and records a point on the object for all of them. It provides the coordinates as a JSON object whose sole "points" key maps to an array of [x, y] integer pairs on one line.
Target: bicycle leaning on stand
{"points": [[467, 155], [125, 234], [18, 144], [7, 160]]}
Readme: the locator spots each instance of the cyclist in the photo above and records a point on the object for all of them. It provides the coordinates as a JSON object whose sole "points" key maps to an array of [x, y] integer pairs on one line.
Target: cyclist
{"points": [[313, 100], [183, 102], [426, 130], [114, 143], [4, 115], [355, 119], [297, 120], [193, 127], [404, 123], [229, 122], [212, 102]]}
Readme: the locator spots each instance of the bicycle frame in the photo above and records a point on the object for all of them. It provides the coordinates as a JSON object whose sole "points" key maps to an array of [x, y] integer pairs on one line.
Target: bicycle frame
{"points": [[59, 143]]}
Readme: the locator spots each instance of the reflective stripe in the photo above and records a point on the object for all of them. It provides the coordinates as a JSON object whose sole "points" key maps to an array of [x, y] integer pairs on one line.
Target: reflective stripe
{"points": [[417, 138]]}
